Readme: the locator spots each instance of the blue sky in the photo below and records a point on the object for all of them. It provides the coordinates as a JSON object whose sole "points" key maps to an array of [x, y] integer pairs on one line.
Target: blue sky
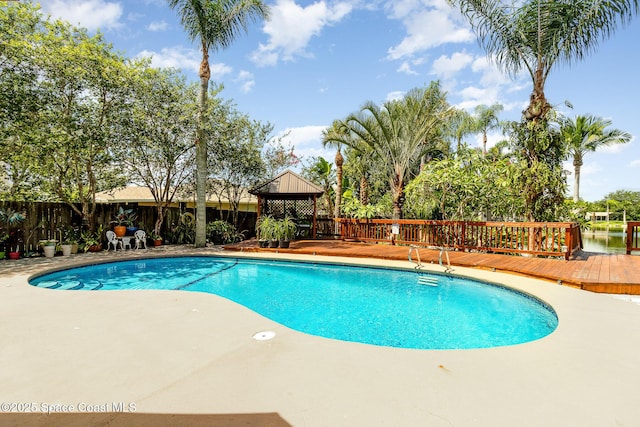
{"points": [[316, 61]]}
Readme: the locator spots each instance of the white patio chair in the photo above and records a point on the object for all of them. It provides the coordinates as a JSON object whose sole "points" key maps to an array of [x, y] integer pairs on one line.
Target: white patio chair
{"points": [[112, 239], [141, 239]]}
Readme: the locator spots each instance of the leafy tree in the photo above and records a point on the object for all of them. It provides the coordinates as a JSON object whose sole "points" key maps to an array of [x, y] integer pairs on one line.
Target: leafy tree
{"points": [[400, 132], [586, 134], [22, 28], [466, 186], [278, 157], [537, 35], [537, 152], [214, 24], [629, 201], [157, 135], [82, 82], [237, 163]]}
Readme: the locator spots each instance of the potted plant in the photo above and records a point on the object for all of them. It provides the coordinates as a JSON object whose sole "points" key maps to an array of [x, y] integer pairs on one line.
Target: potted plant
{"points": [[122, 219], [49, 247], [286, 231], [263, 230], [92, 241], [157, 239], [70, 239], [268, 229], [9, 219], [3, 244]]}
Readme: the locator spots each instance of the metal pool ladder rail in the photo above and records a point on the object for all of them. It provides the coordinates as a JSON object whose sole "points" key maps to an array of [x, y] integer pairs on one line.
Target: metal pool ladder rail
{"points": [[448, 268], [411, 249]]}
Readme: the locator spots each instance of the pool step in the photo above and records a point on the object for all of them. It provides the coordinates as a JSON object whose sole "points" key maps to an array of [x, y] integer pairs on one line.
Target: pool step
{"points": [[428, 280], [73, 286]]}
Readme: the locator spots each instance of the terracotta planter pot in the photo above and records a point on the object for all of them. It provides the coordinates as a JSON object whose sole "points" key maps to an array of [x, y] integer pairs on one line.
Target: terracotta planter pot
{"points": [[14, 255], [157, 242], [120, 230], [95, 248]]}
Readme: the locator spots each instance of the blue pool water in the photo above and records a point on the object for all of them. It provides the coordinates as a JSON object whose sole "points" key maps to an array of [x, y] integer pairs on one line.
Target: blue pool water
{"points": [[369, 305]]}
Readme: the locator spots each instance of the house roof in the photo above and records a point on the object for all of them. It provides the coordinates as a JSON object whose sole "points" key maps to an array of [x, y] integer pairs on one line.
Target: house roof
{"points": [[287, 183], [135, 194]]}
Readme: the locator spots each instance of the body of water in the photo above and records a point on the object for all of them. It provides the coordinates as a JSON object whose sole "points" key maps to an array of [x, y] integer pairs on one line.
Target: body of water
{"points": [[604, 241], [387, 307]]}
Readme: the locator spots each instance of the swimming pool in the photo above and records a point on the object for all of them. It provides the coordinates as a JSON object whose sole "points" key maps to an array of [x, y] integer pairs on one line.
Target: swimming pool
{"points": [[385, 307]]}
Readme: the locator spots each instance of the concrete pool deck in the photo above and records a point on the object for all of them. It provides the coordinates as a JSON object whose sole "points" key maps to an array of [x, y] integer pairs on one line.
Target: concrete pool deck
{"points": [[193, 355]]}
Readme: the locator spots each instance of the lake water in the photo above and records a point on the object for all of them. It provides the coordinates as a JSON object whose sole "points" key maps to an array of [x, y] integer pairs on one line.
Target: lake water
{"points": [[604, 241]]}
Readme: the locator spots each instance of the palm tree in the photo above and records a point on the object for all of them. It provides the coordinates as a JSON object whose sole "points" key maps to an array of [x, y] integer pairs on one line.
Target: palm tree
{"points": [[584, 134], [535, 35], [332, 137], [486, 119], [399, 132], [460, 125], [214, 24]]}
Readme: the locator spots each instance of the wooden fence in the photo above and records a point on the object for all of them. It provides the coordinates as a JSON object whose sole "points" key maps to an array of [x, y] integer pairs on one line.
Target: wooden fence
{"points": [[534, 238], [633, 236], [46, 220]]}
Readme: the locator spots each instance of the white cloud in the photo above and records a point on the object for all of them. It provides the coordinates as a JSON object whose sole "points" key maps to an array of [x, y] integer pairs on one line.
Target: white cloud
{"points": [[395, 96], [291, 27], [405, 67], [91, 14], [635, 163], [447, 66], [490, 73], [157, 26], [473, 96], [246, 81], [428, 24]]}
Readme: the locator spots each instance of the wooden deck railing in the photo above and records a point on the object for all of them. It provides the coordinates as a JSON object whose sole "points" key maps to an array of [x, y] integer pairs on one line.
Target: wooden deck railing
{"points": [[633, 236], [535, 238]]}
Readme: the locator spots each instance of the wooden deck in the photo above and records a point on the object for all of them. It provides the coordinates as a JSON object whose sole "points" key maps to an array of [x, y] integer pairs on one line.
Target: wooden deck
{"points": [[606, 273]]}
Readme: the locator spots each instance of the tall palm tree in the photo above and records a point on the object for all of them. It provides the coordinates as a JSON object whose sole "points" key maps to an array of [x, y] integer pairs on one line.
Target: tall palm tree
{"points": [[214, 24], [586, 134], [535, 35], [332, 136], [399, 132], [486, 119], [460, 125]]}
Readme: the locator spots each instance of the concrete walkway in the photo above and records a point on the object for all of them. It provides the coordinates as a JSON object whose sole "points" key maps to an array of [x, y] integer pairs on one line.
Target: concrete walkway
{"points": [[131, 353]]}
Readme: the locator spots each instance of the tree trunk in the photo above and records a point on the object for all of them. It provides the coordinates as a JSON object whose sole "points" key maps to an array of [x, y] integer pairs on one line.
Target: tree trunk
{"points": [[159, 219], [339, 161], [538, 105], [576, 182], [484, 142], [364, 190], [397, 191], [201, 155]]}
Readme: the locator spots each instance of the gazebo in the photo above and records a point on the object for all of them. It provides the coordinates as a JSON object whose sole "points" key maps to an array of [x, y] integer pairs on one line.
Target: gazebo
{"points": [[289, 194]]}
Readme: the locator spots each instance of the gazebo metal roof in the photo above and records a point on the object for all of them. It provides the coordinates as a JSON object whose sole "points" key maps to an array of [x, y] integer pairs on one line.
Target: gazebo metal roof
{"points": [[287, 183]]}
